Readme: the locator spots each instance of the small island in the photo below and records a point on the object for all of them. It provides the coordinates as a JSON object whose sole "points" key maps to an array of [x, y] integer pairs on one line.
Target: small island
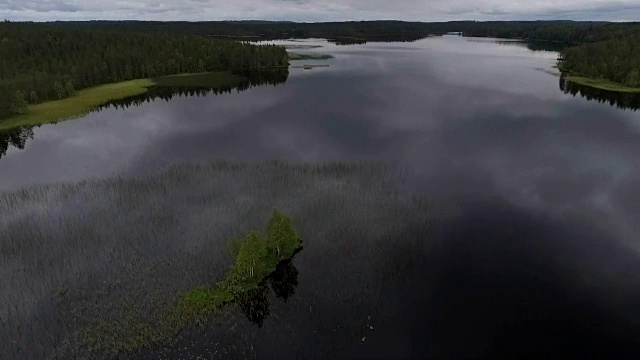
{"points": [[296, 56], [257, 257]]}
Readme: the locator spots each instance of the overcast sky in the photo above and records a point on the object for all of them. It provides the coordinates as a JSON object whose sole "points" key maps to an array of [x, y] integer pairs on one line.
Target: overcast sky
{"points": [[320, 10]]}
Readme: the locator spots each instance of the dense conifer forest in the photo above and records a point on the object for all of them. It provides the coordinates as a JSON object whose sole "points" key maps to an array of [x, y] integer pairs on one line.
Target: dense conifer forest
{"points": [[617, 60], [41, 62]]}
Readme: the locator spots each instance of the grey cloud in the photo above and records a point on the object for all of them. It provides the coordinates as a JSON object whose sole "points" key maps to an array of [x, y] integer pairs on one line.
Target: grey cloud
{"points": [[320, 10], [38, 6]]}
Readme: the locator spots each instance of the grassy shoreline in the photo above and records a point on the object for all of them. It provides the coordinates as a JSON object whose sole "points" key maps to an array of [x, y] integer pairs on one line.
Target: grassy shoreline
{"points": [[602, 84], [89, 99]]}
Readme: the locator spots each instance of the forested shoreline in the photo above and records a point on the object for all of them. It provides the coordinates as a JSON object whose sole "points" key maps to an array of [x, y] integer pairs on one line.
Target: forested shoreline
{"points": [[40, 62], [166, 89], [594, 49], [50, 61], [609, 51]]}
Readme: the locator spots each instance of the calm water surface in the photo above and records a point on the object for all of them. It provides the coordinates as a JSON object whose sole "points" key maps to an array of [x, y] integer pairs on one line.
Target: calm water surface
{"points": [[535, 193]]}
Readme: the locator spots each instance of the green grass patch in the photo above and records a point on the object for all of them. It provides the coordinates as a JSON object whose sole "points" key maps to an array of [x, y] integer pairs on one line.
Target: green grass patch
{"points": [[80, 104], [88, 100], [296, 56], [203, 298], [602, 84]]}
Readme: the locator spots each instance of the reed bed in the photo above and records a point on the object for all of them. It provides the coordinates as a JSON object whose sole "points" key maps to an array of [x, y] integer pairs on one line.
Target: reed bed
{"points": [[79, 255]]}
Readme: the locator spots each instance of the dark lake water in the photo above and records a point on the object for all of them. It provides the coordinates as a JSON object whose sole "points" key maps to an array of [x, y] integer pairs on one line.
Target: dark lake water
{"points": [[535, 192]]}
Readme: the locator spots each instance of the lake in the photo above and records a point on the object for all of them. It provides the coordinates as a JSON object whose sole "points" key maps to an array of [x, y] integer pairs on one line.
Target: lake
{"points": [[532, 248]]}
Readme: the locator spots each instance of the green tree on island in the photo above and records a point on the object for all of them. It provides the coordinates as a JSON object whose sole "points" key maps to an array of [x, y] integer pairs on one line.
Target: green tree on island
{"points": [[251, 255], [256, 257], [282, 236]]}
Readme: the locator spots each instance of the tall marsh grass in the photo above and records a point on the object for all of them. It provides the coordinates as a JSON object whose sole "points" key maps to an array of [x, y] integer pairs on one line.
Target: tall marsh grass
{"points": [[79, 255]]}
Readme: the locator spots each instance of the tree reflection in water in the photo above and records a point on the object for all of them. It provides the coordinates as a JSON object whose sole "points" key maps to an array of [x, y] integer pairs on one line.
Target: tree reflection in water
{"points": [[255, 303], [15, 137], [621, 100], [284, 280], [255, 78], [18, 137]]}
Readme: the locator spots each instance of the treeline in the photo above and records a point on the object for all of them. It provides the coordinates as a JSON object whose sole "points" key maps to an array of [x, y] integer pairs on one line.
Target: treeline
{"points": [[560, 31], [617, 60], [270, 30], [41, 62]]}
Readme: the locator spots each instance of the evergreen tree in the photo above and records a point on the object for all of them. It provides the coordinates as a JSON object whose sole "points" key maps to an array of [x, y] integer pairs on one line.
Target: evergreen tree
{"points": [[18, 103], [69, 89], [128, 75], [33, 97], [633, 79], [59, 90]]}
